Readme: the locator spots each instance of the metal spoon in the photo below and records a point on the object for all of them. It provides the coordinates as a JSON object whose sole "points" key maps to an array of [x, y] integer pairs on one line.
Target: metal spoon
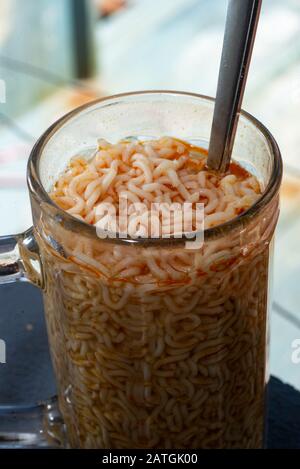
{"points": [[241, 24]]}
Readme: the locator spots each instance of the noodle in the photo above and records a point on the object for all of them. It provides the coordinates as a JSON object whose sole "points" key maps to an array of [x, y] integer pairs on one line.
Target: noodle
{"points": [[158, 347]]}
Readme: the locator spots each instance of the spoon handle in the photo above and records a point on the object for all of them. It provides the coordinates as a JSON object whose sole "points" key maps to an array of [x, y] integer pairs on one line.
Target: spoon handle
{"points": [[241, 24]]}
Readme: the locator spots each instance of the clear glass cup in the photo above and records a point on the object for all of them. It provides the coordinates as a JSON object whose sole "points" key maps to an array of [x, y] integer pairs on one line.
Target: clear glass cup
{"points": [[162, 364]]}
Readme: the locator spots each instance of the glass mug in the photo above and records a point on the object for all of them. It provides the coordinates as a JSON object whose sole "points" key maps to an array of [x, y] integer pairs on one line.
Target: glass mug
{"points": [[163, 364]]}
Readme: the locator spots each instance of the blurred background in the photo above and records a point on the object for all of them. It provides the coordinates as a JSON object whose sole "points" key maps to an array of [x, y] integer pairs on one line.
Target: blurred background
{"points": [[58, 54]]}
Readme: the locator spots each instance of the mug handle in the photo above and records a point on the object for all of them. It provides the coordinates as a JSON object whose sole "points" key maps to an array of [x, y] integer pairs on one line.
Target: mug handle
{"points": [[39, 425]]}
